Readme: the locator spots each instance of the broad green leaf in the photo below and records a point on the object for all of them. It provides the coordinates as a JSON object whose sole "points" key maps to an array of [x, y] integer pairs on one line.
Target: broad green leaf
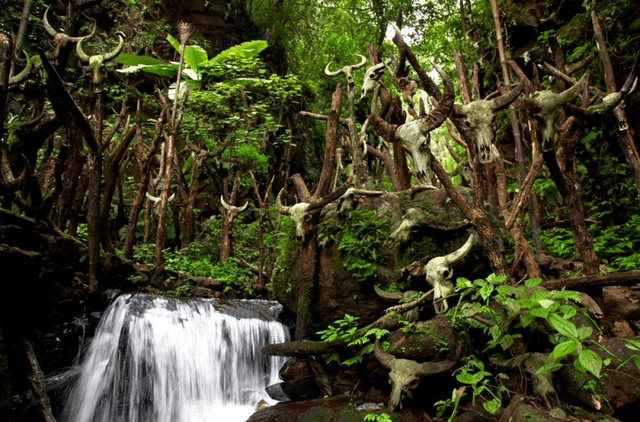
{"points": [[539, 312], [546, 303], [584, 332], [165, 69], [245, 50], [532, 282], [564, 327], [174, 42], [134, 60], [466, 378], [492, 406], [564, 349], [194, 56], [591, 361], [549, 368]]}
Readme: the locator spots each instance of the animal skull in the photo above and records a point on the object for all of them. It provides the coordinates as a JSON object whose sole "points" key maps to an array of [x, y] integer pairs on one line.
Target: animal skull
{"points": [[97, 62], [232, 211], [439, 273], [371, 76], [60, 39], [480, 114], [546, 106], [347, 70], [348, 200], [405, 374]]}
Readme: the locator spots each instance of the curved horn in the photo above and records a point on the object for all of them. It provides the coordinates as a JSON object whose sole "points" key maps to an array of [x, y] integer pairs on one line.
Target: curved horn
{"points": [[224, 203], [505, 99], [442, 111], [281, 208], [387, 295], [330, 73], [244, 207], [456, 256], [571, 93], [460, 110], [363, 61], [114, 53], [80, 52], [88, 37], [25, 72], [171, 198], [383, 357], [434, 368], [151, 197], [47, 25]]}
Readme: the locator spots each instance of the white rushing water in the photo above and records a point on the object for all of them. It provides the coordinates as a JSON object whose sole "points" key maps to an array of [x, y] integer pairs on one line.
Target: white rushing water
{"points": [[157, 359]]}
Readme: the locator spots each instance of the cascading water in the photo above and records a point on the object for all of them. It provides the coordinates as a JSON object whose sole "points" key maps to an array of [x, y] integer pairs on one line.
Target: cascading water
{"points": [[158, 359]]}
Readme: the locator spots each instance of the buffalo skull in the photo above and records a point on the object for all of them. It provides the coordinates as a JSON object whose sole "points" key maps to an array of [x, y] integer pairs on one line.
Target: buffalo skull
{"points": [[347, 70], [97, 62], [415, 134], [371, 76], [303, 213], [60, 39], [546, 108], [480, 114], [405, 374], [232, 210], [439, 273]]}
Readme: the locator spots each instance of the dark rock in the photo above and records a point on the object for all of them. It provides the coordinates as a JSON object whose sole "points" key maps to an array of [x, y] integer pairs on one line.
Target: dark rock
{"points": [[295, 368], [301, 389]]}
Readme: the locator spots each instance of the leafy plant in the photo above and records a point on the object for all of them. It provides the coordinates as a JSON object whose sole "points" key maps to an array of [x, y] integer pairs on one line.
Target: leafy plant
{"points": [[346, 330], [363, 235], [377, 417], [195, 58]]}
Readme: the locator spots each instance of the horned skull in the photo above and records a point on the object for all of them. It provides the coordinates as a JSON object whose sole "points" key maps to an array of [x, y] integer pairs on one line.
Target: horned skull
{"points": [[156, 200], [480, 114], [546, 106], [60, 39], [415, 134], [371, 76], [97, 62], [347, 70], [232, 210], [405, 374], [439, 273]]}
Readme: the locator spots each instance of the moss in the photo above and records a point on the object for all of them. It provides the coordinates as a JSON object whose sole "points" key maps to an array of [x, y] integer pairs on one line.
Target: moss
{"points": [[281, 278]]}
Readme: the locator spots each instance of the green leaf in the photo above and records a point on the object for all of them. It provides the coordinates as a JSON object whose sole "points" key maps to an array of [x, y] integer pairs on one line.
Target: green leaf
{"points": [[549, 368], [632, 344], [584, 332], [564, 349], [245, 50], [466, 378], [492, 406], [564, 327], [539, 312], [591, 361], [134, 60], [174, 42], [532, 282], [546, 303], [194, 56]]}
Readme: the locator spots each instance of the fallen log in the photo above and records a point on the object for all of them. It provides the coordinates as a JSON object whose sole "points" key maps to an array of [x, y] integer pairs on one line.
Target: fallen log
{"points": [[625, 278]]}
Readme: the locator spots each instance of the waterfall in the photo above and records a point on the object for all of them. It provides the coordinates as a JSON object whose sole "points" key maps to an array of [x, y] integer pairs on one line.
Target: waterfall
{"points": [[159, 359]]}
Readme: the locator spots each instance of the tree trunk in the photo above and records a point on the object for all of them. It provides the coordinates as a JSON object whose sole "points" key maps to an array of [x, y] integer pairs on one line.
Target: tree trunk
{"points": [[569, 136], [161, 232], [36, 378], [625, 135], [188, 223], [113, 175], [93, 217], [73, 165]]}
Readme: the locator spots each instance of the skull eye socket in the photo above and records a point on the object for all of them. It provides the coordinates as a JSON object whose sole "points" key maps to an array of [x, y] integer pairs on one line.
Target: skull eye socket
{"points": [[446, 273], [414, 383]]}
